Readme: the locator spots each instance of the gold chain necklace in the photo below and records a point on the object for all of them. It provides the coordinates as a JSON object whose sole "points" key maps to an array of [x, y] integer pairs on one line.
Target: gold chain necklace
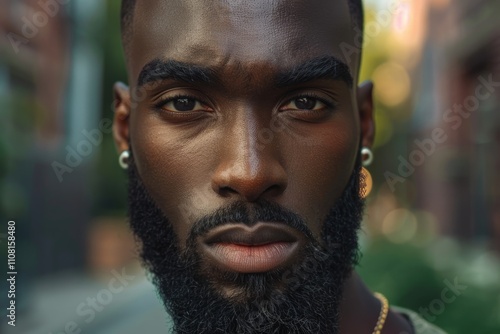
{"points": [[384, 310]]}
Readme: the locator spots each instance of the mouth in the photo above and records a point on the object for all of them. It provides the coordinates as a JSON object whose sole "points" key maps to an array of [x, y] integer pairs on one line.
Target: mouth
{"points": [[256, 249]]}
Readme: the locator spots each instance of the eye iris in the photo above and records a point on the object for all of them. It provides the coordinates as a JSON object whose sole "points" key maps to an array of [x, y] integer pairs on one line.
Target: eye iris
{"points": [[305, 103], [184, 104]]}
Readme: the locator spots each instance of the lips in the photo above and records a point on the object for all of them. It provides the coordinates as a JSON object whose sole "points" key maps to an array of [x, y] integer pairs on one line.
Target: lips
{"points": [[259, 248]]}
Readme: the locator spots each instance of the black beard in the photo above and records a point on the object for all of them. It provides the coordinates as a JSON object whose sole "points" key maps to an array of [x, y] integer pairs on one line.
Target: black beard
{"points": [[304, 298]]}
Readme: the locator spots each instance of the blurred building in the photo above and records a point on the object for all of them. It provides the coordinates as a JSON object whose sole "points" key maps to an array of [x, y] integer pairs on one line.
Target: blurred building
{"points": [[48, 70], [460, 80]]}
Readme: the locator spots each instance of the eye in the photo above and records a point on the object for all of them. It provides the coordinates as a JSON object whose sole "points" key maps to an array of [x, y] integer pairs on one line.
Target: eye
{"points": [[305, 103], [179, 104]]}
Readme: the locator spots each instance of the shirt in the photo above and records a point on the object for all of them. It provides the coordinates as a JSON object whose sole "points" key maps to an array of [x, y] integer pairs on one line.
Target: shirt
{"points": [[419, 324]]}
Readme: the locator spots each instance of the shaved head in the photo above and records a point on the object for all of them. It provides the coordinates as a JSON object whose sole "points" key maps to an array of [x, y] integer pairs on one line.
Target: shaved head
{"points": [[128, 6], [356, 7]]}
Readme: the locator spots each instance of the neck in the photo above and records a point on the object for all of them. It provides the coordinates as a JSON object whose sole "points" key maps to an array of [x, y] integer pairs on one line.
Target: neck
{"points": [[360, 309]]}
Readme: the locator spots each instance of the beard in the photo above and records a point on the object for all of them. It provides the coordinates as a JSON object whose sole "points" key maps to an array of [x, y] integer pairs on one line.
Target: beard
{"points": [[303, 298]]}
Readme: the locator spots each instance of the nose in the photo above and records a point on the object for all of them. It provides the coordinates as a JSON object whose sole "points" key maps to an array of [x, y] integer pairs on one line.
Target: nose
{"points": [[249, 168]]}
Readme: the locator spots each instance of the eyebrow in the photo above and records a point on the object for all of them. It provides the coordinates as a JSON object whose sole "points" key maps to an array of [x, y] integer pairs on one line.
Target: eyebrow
{"points": [[327, 67], [158, 70]]}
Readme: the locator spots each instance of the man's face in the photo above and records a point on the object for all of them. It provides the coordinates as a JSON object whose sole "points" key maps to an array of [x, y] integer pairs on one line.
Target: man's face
{"points": [[236, 103]]}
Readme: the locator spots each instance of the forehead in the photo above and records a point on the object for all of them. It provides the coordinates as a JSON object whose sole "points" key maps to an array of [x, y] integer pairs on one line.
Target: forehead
{"points": [[218, 33]]}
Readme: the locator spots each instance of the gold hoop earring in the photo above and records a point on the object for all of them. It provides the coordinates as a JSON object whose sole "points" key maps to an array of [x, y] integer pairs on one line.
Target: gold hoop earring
{"points": [[366, 183]]}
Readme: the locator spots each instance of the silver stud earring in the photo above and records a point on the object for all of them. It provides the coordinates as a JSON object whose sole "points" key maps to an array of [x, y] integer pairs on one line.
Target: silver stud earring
{"points": [[123, 159], [367, 156]]}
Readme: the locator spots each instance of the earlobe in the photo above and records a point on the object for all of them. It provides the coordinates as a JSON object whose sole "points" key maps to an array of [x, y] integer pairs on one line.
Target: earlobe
{"points": [[122, 115], [365, 110]]}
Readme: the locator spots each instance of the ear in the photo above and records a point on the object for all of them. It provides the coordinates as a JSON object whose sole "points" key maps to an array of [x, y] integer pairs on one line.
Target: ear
{"points": [[122, 116], [365, 110]]}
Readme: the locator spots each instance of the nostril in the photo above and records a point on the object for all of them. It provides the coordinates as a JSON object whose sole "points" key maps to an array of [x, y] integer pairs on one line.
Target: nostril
{"points": [[251, 195], [226, 191], [275, 190]]}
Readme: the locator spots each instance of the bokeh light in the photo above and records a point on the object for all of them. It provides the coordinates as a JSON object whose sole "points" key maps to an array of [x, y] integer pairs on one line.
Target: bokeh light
{"points": [[400, 226], [392, 83]]}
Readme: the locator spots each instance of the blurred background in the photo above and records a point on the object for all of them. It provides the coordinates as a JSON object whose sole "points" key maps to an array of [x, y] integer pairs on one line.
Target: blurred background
{"points": [[433, 213]]}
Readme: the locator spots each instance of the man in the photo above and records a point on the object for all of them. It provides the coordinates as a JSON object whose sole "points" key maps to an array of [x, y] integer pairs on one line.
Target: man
{"points": [[242, 133]]}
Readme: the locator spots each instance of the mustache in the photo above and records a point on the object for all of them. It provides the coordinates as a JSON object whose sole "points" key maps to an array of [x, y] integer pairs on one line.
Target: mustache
{"points": [[240, 212]]}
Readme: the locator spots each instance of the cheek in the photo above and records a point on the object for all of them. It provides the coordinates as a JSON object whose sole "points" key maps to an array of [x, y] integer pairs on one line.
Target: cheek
{"points": [[321, 168], [172, 171]]}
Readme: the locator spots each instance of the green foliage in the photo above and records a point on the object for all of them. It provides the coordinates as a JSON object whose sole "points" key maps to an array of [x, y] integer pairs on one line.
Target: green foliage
{"points": [[110, 190], [415, 277]]}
